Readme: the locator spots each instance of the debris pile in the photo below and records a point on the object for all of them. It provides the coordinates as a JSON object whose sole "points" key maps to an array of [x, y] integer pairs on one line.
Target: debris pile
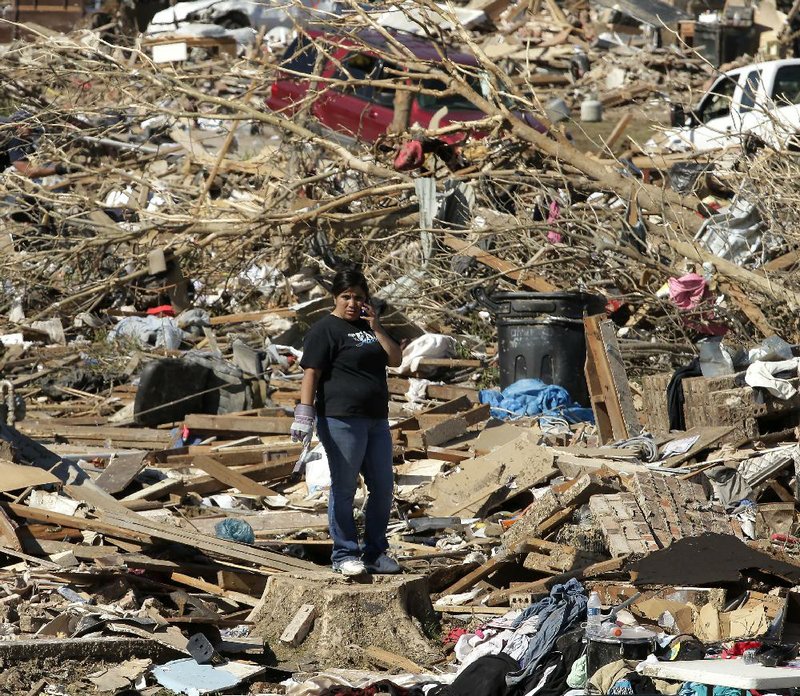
{"points": [[595, 422]]}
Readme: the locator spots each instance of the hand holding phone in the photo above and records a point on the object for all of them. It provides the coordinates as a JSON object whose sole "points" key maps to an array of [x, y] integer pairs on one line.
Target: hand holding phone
{"points": [[368, 312]]}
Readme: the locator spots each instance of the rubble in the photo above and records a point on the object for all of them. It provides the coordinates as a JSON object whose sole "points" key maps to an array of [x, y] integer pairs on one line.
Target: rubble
{"points": [[585, 403]]}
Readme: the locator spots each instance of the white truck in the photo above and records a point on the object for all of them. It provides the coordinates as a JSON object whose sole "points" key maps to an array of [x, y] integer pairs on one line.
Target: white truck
{"points": [[762, 99]]}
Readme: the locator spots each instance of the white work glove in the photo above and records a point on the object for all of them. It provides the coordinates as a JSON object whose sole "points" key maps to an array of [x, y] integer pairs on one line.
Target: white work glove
{"points": [[302, 430]]}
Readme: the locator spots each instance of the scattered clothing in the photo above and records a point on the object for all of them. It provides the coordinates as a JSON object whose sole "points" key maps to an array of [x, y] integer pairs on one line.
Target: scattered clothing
{"points": [[688, 291], [697, 689], [532, 397], [633, 684], [558, 613], [454, 635], [763, 374], [729, 486], [474, 646], [738, 648], [577, 677], [553, 214], [484, 677], [608, 675], [675, 397], [550, 677], [161, 332], [426, 346], [380, 687]]}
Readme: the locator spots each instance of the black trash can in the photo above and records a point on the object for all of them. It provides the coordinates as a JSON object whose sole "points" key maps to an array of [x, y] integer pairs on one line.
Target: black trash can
{"points": [[540, 335]]}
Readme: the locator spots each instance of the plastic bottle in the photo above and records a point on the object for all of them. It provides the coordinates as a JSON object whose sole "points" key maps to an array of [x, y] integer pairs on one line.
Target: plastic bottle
{"points": [[593, 617]]}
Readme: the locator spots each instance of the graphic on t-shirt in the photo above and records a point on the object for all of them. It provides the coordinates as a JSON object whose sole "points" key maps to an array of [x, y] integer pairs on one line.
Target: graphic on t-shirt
{"points": [[362, 338]]}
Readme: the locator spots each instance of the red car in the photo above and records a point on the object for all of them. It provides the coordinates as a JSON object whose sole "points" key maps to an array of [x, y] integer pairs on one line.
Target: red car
{"points": [[364, 112]]}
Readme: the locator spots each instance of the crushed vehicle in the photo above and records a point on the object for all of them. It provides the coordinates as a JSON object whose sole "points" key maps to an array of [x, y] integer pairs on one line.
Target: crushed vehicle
{"points": [[760, 101], [348, 109], [238, 18]]}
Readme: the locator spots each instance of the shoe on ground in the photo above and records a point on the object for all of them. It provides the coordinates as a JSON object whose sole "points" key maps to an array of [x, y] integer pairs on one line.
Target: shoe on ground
{"points": [[384, 565], [350, 567]]}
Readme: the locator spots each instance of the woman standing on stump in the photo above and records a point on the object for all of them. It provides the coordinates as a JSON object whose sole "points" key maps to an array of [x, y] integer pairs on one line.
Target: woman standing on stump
{"points": [[344, 362]]}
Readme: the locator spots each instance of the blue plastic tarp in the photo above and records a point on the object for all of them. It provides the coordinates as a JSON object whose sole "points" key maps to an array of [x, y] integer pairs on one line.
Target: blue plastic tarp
{"points": [[532, 397]]}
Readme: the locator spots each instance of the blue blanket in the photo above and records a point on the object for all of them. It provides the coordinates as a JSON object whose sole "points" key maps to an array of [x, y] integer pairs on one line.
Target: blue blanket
{"points": [[532, 397]]}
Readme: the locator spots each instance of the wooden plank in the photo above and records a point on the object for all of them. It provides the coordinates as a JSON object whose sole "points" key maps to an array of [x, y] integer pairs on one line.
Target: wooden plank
{"points": [[237, 456], [482, 571], [242, 317], [522, 276], [471, 609], [448, 455], [457, 405], [543, 586], [119, 473], [390, 660], [212, 589], [750, 310], [41, 562], [399, 386], [784, 262], [231, 477], [9, 530], [39, 547], [239, 424], [708, 438], [146, 438], [276, 522], [612, 401], [449, 362], [69, 521], [155, 490], [205, 485], [477, 414], [217, 547], [619, 129], [438, 434]]}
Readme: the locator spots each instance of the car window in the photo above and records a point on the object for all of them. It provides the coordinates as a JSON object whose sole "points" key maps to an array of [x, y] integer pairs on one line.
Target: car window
{"points": [[717, 103], [434, 102], [357, 66], [384, 96], [749, 91], [300, 56], [787, 85]]}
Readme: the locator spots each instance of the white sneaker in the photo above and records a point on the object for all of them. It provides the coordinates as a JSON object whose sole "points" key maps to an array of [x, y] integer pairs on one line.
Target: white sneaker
{"points": [[384, 565], [350, 567]]}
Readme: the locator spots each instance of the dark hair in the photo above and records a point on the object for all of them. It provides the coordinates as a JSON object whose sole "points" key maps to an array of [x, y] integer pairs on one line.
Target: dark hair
{"points": [[349, 278]]}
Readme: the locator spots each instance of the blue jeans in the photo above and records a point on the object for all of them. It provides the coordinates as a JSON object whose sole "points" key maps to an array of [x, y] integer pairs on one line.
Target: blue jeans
{"points": [[353, 446]]}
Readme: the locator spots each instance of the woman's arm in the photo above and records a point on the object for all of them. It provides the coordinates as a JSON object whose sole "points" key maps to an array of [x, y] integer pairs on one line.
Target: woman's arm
{"points": [[308, 387], [394, 351]]}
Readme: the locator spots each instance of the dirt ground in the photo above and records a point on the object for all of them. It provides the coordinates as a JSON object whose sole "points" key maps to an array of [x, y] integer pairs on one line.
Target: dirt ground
{"points": [[647, 117]]}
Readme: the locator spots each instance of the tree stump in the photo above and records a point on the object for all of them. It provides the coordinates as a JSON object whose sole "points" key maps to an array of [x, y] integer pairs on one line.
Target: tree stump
{"points": [[391, 612]]}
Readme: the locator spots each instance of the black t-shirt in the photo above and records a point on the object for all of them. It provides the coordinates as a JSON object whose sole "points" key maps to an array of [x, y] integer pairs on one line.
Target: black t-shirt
{"points": [[353, 364]]}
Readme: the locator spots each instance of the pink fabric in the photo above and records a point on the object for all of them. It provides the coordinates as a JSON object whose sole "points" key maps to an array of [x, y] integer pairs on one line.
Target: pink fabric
{"points": [[410, 156], [687, 291], [555, 212]]}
